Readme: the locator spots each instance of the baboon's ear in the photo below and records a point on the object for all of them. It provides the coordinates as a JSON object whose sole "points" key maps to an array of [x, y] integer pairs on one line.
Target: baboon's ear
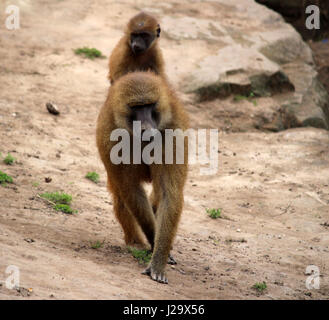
{"points": [[158, 31]]}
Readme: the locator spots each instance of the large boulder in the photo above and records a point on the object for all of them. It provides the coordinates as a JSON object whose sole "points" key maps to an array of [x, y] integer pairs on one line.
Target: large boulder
{"points": [[236, 70], [239, 47]]}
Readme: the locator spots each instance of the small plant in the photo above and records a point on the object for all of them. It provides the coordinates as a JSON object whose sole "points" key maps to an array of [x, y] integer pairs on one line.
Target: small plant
{"points": [[35, 184], [59, 201], [93, 176], [9, 159], [260, 286], [64, 208], [97, 244], [57, 198], [251, 96], [239, 97], [143, 256], [90, 53], [4, 179], [214, 213]]}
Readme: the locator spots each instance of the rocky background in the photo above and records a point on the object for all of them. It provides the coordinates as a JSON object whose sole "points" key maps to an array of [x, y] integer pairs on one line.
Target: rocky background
{"points": [[251, 52], [237, 66], [293, 12]]}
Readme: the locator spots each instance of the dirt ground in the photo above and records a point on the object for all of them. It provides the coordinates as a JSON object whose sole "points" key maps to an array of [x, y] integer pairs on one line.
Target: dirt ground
{"points": [[273, 188]]}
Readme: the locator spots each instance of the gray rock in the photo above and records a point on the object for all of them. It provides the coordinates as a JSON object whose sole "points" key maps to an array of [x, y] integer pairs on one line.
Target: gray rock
{"points": [[285, 47], [309, 106], [242, 47], [236, 70]]}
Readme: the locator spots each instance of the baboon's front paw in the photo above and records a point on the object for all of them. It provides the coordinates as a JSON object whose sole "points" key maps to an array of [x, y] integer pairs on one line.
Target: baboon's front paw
{"points": [[156, 276]]}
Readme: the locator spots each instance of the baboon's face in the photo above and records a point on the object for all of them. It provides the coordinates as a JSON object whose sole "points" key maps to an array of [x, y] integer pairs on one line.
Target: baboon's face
{"points": [[142, 31], [147, 114], [141, 41], [141, 96]]}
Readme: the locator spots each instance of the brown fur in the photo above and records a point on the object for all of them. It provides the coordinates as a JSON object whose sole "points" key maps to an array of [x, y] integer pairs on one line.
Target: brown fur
{"points": [[122, 59], [132, 207]]}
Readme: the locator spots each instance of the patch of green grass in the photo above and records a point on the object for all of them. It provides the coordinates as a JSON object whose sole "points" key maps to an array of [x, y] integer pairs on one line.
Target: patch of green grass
{"points": [[4, 179], [9, 159], [64, 208], [97, 244], [57, 197], [143, 256], [93, 176], [60, 201], [35, 184], [260, 286], [214, 213], [239, 97], [90, 53]]}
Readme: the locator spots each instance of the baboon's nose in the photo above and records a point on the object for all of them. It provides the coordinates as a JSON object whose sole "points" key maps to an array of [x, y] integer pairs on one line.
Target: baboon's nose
{"points": [[151, 132], [146, 126], [137, 48]]}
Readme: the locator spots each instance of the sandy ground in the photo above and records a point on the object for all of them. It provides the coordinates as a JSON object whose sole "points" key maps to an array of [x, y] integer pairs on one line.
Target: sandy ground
{"points": [[273, 188]]}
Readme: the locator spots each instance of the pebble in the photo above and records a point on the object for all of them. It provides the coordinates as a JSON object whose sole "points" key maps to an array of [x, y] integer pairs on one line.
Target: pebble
{"points": [[52, 108]]}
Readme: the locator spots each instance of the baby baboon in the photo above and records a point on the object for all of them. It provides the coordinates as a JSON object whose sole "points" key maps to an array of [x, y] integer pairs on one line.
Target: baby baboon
{"points": [[145, 97], [138, 49]]}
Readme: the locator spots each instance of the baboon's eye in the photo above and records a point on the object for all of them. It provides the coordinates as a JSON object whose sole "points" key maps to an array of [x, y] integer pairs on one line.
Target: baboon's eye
{"points": [[144, 35]]}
